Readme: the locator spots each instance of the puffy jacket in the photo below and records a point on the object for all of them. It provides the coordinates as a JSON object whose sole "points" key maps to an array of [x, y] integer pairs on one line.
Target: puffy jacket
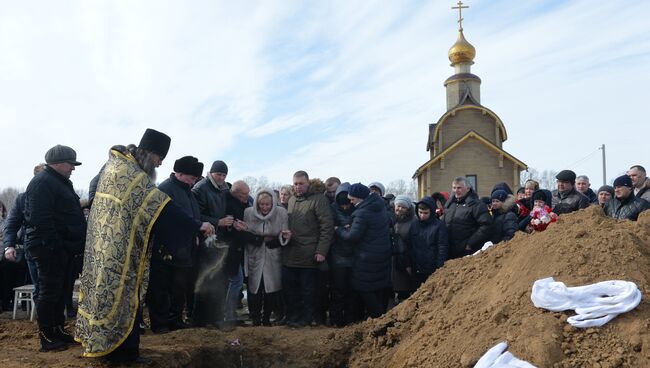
{"points": [[627, 209], [504, 225], [211, 201], [568, 202], [429, 242], [341, 252], [371, 233], [181, 194], [468, 224], [312, 227], [53, 215], [591, 196], [14, 225]]}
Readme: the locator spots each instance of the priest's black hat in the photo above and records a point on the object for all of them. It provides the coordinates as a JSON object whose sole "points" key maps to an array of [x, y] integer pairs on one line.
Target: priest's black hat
{"points": [[156, 142]]}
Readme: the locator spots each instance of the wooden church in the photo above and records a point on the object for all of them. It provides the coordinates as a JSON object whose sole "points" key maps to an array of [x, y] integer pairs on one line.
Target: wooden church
{"points": [[468, 139]]}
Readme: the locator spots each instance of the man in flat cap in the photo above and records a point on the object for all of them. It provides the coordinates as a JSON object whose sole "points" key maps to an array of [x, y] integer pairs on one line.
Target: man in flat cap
{"points": [[566, 198], [127, 214], [170, 273], [625, 205], [55, 233]]}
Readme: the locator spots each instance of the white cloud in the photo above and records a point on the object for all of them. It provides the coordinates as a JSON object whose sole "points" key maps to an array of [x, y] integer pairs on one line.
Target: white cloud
{"points": [[360, 81]]}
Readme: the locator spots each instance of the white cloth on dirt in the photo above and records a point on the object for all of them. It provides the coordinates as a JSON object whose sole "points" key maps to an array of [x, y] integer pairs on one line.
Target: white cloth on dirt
{"points": [[595, 304], [485, 246], [497, 357]]}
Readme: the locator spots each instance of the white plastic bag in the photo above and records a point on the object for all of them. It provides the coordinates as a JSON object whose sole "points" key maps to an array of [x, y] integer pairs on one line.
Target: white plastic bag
{"points": [[497, 357], [595, 304]]}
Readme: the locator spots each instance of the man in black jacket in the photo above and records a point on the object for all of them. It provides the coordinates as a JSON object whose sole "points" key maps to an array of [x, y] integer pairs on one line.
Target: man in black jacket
{"points": [[566, 198], [169, 273], [468, 220], [14, 235], [625, 205], [209, 298], [55, 233]]}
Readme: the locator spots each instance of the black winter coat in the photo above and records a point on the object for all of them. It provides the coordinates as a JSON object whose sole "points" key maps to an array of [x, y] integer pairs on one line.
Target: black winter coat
{"points": [[468, 224], [627, 209], [504, 226], [236, 240], [182, 196], [53, 214], [212, 201], [429, 244], [370, 231], [568, 202], [591, 196], [341, 252]]}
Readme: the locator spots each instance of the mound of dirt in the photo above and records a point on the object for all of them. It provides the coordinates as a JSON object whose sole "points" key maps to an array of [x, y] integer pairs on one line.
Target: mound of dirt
{"points": [[473, 303], [464, 309]]}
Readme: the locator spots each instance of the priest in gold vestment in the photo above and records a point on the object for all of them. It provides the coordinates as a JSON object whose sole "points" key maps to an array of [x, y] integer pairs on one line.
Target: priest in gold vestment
{"points": [[127, 213]]}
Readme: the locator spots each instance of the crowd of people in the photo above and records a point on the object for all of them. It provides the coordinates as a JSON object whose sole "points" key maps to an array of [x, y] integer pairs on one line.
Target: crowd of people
{"points": [[310, 253]]}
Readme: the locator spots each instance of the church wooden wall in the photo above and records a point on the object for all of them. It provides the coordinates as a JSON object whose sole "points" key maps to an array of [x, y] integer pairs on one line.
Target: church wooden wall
{"points": [[455, 127], [470, 158]]}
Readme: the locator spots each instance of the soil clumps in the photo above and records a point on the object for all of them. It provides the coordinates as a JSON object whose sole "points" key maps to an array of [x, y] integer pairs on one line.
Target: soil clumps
{"points": [[464, 309]]}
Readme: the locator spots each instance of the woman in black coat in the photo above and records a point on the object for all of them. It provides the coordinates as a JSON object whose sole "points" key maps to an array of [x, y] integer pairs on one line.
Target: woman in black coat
{"points": [[370, 232]]}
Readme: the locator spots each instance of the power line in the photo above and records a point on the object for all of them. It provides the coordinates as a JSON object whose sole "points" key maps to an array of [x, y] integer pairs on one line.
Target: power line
{"points": [[583, 159]]}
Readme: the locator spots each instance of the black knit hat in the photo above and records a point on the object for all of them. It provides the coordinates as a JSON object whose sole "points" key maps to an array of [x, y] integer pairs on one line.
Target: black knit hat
{"points": [[188, 165], [156, 142], [359, 190], [623, 181], [219, 166], [566, 175]]}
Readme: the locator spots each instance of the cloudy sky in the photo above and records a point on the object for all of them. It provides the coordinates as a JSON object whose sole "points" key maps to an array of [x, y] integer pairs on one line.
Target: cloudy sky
{"points": [[337, 88]]}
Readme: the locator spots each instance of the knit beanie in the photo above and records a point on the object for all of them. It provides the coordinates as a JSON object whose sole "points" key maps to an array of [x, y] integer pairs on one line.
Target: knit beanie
{"points": [[623, 181], [606, 188], [499, 194], [404, 201], [219, 166], [359, 190]]}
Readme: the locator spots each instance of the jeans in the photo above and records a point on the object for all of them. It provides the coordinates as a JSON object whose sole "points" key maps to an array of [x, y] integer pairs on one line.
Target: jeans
{"points": [[33, 274], [235, 284], [299, 286]]}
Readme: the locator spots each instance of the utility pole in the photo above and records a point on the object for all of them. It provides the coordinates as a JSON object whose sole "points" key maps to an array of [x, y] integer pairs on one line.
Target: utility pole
{"points": [[604, 165]]}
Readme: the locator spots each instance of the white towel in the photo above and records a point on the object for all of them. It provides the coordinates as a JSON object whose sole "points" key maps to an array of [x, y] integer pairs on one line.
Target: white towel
{"points": [[497, 357], [594, 304]]}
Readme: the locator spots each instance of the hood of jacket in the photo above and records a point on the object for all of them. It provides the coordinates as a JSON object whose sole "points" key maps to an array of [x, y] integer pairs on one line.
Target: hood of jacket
{"points": [[429, 202], [256, 210], [378, 185]]}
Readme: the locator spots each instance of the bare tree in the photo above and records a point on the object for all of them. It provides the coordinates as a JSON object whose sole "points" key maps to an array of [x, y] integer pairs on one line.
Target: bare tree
{"points": [[546, 178], [400, 186], [262, 182]]}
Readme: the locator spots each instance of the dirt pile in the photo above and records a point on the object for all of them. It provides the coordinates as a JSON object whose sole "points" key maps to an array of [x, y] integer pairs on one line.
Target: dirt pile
{"points": [[473, 303], [454, 318]]}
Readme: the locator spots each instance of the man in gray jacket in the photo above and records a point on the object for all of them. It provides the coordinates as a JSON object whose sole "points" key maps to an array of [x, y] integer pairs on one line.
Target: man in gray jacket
{"points": [[312, 227]]}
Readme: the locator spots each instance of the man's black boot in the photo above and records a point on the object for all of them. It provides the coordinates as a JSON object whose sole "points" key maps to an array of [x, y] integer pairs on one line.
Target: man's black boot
{"points": [[64, 335], [49, 341]]}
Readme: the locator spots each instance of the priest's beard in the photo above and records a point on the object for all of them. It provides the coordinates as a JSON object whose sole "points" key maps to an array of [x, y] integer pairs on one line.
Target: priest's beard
{"points": [[147, 162]]}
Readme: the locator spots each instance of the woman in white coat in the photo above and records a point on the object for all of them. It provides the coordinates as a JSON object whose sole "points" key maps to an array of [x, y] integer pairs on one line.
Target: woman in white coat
{"points": [[268, 226]]}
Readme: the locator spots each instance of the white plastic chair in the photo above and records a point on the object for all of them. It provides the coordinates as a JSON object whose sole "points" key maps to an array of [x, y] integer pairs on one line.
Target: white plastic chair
{"points": [[24, 293]]}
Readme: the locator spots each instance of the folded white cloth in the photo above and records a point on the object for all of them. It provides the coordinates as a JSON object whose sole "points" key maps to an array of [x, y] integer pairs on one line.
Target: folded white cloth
{"points": [[594, 304], [497, 357]]}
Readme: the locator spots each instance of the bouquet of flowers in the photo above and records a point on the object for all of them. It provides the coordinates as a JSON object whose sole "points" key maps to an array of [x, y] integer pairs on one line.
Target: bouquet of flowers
{"points": [[541, 217]]}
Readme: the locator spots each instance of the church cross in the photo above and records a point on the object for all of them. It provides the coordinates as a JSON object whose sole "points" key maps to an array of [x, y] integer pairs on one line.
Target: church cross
{"points": [[460, 8]]}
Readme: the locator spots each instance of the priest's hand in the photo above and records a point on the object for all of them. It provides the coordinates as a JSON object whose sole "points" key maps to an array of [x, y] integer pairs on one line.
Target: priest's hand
{"points": [[207, 229]]}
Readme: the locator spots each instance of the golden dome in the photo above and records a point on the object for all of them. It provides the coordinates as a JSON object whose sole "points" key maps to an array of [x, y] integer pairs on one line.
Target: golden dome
{"points": [[462, 51]]}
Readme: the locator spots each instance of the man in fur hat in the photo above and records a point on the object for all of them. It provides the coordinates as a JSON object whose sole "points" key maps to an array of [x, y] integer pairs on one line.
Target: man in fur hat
{"points": [[127, 214], [170, 272]]}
